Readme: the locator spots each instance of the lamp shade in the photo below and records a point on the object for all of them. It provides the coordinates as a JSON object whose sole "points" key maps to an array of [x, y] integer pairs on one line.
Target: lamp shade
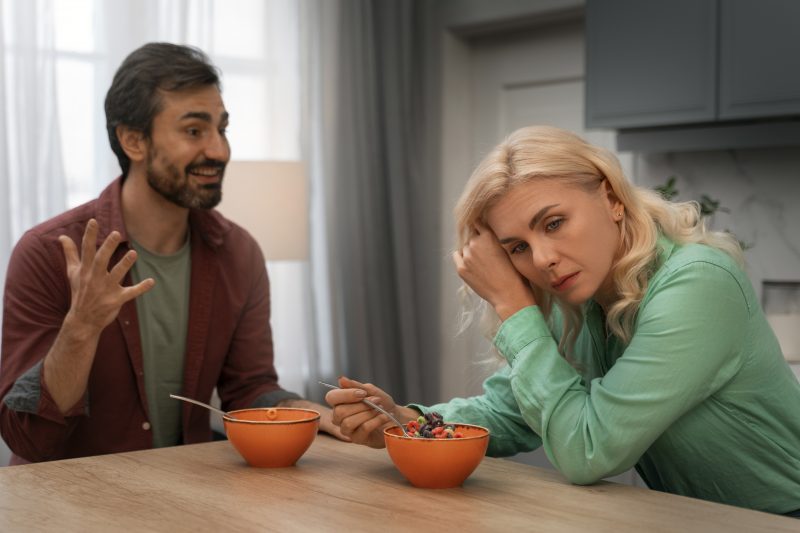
{"points": [[270, 200]]}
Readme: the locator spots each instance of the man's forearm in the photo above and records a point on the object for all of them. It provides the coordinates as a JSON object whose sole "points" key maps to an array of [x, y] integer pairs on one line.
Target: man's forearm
{"points": [[68, 363]]}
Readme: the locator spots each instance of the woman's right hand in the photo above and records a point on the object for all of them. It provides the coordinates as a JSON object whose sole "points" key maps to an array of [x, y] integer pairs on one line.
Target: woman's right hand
{"points": [[357, 420], [485, 267]]}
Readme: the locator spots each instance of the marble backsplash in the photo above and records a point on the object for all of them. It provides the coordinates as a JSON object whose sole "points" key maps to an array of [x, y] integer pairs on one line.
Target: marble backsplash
{"points": [[761, 188]]}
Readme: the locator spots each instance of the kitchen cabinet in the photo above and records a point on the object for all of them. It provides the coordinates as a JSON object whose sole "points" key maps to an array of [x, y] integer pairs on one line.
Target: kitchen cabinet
{"points": [[759, 45], [681, 62], [650, 63]]}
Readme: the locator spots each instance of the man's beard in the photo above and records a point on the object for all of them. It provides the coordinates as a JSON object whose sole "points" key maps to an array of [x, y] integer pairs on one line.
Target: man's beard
{"points": [[175, 187]]}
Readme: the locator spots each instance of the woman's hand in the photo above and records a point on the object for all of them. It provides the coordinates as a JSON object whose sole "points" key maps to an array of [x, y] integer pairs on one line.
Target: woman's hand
{"points": [[486, 268], [358, 421]]}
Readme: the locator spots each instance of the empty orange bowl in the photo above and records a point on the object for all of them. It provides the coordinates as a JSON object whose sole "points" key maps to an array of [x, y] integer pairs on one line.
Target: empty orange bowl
{"points": [[273, 436], [437, 463]]}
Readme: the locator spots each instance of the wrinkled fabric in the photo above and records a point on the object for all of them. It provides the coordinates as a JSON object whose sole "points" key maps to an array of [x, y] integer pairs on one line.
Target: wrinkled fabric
{"points": [[228, 346], [701, 401]]}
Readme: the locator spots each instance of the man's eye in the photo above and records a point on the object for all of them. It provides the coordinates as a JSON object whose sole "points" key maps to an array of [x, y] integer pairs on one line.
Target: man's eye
{"points": [[194, 132], [554, 224], [519, 248], [223, 131]]}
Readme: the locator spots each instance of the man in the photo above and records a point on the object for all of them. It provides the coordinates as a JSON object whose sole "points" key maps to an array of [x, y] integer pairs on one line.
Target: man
{"points": [[143, 292]]}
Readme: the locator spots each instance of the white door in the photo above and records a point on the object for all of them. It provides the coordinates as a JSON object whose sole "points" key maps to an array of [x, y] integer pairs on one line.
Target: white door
{"points": [[531, 77]]}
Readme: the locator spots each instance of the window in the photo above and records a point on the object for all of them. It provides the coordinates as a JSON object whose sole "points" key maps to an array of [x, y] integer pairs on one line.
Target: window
{"points": [[256, 46]]}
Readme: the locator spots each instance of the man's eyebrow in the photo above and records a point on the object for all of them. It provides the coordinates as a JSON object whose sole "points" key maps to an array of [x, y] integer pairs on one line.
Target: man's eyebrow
{"points": [[202, 115], [535, 220]]}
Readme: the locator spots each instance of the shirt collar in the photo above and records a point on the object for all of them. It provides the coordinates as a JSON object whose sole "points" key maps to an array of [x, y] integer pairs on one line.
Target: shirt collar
{"points": [[208, 224]]}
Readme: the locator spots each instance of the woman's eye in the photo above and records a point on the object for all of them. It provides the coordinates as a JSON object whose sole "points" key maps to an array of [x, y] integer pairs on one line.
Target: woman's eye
{"points": [[519, 248], [554, 224]]}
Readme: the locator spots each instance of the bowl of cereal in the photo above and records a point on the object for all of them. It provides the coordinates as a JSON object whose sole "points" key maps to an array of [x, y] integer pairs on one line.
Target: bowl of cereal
{"points": [[273, 436], [438, 454]]}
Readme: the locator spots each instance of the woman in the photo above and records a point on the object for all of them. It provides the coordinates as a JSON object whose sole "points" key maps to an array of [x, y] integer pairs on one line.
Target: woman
{"points": [[632, 335]]}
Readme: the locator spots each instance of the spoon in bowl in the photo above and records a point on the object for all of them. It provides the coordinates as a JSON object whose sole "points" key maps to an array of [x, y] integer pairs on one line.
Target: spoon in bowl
{"points": [[201, 404], [374, 406]]}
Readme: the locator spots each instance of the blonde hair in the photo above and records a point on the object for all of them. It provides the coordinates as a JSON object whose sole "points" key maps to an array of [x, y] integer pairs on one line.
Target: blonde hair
{"points": [[545, 152]]}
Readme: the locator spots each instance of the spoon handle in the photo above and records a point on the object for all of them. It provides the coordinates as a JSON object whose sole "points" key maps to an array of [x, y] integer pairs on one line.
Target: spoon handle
{"points": [[201, 404], [374, 406]]}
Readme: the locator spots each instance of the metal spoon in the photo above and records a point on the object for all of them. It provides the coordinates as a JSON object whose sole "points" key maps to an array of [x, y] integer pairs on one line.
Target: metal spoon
{"points": [[201, 404], [374, 406]]}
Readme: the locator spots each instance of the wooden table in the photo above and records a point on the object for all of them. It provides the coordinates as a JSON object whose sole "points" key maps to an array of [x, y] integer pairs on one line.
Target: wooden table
{"points": [[334, 487]]}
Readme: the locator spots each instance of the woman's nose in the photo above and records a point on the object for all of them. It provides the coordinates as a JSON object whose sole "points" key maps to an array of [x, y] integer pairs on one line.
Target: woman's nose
{"points": [[544, 257]]}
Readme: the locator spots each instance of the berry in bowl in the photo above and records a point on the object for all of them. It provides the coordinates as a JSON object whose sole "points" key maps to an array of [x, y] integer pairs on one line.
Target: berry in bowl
{"points": [[437, 454]]}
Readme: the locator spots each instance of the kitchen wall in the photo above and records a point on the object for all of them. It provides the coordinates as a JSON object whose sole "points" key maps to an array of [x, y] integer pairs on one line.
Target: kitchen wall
{"points": [[761, 187]]}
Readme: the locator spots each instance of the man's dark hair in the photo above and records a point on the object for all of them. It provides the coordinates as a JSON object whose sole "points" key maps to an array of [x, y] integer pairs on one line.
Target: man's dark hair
{"points": [[133, 99]]}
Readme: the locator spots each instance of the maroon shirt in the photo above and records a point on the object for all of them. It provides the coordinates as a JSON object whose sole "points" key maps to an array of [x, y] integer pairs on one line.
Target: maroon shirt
{"points": [[228, 343]]}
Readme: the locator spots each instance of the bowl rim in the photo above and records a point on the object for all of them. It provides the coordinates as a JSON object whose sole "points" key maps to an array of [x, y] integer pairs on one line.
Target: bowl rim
{"points": [[424, 439], [228, 416]]}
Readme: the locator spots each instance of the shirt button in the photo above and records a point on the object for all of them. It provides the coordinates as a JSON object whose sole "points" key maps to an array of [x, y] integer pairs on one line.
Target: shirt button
{"points": [[146, 426], [127, 322]]}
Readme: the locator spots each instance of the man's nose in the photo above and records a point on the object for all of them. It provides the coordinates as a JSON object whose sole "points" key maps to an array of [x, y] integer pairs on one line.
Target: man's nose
{"points": [[218, 147]]}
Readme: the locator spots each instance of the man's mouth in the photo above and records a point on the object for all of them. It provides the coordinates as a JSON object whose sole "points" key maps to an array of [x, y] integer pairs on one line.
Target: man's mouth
{"points": [[207, 169]]}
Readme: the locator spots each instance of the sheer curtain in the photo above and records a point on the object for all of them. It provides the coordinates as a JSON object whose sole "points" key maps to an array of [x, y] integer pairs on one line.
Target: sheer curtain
{"points": [[33, 185], [32, 182]]}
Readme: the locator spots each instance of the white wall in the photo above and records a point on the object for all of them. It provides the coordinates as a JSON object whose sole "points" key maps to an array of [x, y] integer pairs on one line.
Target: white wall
{"points": [[761, 187]]}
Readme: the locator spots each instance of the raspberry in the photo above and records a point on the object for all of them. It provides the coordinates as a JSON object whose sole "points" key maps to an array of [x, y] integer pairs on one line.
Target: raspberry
{"points": [[431, 425]]}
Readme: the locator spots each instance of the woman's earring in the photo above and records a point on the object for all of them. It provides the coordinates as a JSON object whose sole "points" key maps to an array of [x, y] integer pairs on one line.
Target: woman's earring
{"points": [[618, 215]]}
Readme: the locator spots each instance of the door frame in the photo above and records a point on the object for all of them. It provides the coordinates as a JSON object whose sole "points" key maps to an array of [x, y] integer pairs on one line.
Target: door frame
{"points": [[456, 162]]}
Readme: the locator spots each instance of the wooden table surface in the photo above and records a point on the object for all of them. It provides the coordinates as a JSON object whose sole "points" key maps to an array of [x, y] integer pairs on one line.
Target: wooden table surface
{"points": [[334, 487]]}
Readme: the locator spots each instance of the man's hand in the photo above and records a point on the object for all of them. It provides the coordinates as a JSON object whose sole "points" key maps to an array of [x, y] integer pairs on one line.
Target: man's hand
{"points": [[97, 297], [325, 416], [97, 293]]}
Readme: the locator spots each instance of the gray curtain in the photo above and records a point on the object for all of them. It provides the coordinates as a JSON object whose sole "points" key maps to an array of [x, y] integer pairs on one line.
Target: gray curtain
{"points": [[373, 173]]}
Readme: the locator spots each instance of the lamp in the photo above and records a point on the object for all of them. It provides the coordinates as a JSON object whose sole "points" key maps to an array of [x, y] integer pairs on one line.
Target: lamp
{"points": [[270, 200]]}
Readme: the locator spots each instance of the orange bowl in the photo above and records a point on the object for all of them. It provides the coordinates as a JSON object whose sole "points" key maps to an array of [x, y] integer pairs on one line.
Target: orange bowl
{"points": [[272, 436], [437, 463]]}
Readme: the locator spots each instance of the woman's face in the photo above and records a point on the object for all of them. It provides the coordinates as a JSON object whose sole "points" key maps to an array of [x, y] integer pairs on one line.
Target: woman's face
{"points": [[562, 238]]}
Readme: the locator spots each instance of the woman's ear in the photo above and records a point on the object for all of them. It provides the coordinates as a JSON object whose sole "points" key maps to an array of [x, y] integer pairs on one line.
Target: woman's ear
{"points": [[615, 205], [133, 142]]}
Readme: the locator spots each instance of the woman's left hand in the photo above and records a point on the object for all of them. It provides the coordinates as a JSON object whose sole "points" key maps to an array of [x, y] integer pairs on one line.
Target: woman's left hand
{"points": [[486, 268]]}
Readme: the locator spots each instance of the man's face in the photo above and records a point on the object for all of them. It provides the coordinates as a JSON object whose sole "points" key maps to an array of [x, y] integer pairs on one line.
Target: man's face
{"points": [[188, 150]]}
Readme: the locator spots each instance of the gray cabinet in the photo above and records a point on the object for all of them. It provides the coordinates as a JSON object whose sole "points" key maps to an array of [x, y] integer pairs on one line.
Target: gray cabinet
{"points": [[650, 62], [661, 63], [759, 49]]}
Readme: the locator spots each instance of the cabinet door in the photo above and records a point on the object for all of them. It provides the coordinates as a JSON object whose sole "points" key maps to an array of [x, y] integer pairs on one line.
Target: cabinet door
{"points": [[650, 63], [759, 48]]}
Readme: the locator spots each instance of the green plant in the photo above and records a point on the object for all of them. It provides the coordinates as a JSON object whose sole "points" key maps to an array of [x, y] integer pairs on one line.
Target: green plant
{"points": [[708, 205]]}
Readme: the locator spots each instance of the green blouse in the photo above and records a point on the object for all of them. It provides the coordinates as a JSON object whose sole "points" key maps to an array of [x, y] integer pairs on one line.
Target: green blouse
{"points": [[701, 400]]}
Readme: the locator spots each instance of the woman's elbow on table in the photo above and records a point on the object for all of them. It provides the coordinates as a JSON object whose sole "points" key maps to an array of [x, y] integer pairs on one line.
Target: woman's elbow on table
{"points": [[582, 470]]}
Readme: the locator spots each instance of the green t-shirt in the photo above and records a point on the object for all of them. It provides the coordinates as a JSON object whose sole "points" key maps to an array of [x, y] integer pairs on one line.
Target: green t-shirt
{"points": [[701, 400], [163, 314]]}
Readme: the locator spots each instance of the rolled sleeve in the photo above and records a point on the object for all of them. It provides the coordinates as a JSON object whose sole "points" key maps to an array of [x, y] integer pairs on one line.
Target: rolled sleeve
{"points": [[30, 395]]}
